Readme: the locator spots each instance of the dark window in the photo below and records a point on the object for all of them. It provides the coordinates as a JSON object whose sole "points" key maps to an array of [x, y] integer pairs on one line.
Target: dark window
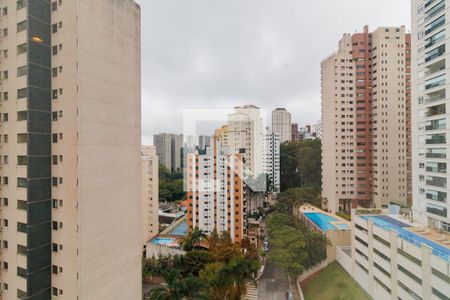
{"points": [[22, 93], [22, 182], [21, 227], [22, 115], [21, 272], [21, 205], [22, 160]]}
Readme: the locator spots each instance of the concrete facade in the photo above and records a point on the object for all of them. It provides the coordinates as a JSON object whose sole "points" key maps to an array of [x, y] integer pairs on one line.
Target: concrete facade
{"points": [[215, 192], [282, 124], [74, 144], [150, 193], [389, 265], [430, 81], [366, 120]]}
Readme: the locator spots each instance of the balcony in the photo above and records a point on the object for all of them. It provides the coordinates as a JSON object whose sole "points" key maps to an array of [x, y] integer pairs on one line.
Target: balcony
{"points": [[436, 181], [435, 53], [436, 196], [435, 110], [435, 39], [436, 153], [435, 10], [437, 210], [435, 124], [436, 24], [436, 167], [435, 96]]}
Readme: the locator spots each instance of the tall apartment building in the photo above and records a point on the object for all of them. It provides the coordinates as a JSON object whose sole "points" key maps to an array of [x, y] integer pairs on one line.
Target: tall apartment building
{"points": [[149, 193], [70, 130], [215, 192], [429, 112], [271, 159], [203, 142], [366, 120], [245, 136], [169, 149], [295, 133], [281, 124], [316, 130], [222, 135]]}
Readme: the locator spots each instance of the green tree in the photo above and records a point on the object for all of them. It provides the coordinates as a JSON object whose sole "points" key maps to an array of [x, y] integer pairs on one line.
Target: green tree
{"points": [[300, 164], [173, 289]]}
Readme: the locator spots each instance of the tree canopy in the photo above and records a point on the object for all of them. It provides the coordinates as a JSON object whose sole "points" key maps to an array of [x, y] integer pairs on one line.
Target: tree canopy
{"points": [[300, 164], [170, 185]]}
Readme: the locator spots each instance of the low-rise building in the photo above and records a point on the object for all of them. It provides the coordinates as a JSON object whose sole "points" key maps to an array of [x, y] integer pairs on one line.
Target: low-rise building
{"points": [[394, 258]]}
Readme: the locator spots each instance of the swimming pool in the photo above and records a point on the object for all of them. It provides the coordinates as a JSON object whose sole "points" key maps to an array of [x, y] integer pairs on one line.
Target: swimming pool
{"points": [[180, 229], [324, 221], [389, 223], [162, 241]]}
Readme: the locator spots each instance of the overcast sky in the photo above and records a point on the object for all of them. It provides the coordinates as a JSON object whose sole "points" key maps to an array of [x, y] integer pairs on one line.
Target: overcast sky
{"points": [[223, 53]]}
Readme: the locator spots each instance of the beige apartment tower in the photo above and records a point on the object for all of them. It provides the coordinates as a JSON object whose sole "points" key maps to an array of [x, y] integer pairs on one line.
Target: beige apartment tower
{"points": [[150, 193], [281, 124], [366, 140], [70, 148]]}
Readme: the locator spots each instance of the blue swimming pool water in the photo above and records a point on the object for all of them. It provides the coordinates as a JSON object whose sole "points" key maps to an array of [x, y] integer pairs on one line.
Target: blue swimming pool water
{"points": [[162, 240], [180, 229], [389, 223], [324, 221]]}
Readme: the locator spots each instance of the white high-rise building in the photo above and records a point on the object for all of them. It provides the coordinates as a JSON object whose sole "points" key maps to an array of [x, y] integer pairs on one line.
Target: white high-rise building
{"points": [[271, 159], [169, 148], [281, 124], [150, 193], [245, 136], [70, 147], [430, 132]]}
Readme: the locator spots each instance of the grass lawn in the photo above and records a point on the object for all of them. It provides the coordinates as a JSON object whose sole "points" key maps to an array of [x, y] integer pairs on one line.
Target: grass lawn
{"points": [[333, 283]]}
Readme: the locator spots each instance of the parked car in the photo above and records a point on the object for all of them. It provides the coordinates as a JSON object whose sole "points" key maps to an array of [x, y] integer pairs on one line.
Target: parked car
{"points": [[289, 295]]}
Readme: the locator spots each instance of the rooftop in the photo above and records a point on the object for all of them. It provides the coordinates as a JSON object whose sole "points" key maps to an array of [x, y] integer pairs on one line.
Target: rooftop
{"points": [[414, 232], [325, 221]]}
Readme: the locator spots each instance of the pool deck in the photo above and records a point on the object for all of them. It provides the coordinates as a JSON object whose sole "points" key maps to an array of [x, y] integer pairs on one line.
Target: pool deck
{"points": [[423, 230], [337, 224]]}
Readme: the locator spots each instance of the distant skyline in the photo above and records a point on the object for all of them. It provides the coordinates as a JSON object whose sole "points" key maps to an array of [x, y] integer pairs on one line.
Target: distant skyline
{"points": [[220, 54]]}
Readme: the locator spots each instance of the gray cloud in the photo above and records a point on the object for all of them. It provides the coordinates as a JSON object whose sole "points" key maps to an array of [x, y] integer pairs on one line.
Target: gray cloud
{"points": [[222, 53]]}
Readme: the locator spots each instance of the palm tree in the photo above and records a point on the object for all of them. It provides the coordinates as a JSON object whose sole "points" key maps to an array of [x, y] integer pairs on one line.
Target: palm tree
{"points": [[172, 291]]}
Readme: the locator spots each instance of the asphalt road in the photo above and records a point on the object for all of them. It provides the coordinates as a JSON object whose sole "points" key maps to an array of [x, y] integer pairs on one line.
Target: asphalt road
{"points": [[273, 284]]}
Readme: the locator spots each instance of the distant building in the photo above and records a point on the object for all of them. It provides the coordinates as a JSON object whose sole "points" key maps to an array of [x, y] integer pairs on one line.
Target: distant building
{"points": [[203, 141], [281, 124], [169, 149], [215, 192], [271, 159], [222, 135], [295, 132], [316, 130], [245, 136], [150, 193]]}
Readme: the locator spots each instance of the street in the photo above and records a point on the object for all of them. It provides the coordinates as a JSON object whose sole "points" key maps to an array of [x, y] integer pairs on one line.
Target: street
{"points": [[274, 284]]}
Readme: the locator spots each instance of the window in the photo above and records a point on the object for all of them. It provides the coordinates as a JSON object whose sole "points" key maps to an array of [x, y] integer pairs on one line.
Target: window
{"points": [[22, 93], [21, 227], [21, 205], [21, 26], [54, 50], [5, 117], [55, 28], [55, 138], [55, 94], [21, 71], [22, 115], [22, 182], [22, 138], [21, 49], [22, 160], [437, 210], [21, 272], [21, 4], [5, 265], [54, 72], [55, 181], [54, 269], [55, 203], [54, 6], [21, 250], [55, 159]]}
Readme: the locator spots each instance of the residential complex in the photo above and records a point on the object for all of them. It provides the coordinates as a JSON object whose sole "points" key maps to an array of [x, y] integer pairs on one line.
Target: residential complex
{"points": [[70, 144], [169, 148], [366, 120], [271, 159], [393, 258], [429, 112], [215, 192], [203, 141], [150, 193], [222, 135], [281, 124]]}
